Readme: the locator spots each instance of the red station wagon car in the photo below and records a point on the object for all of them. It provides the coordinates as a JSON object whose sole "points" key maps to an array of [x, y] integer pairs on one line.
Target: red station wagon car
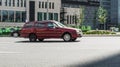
{"points": [[49, 29]]}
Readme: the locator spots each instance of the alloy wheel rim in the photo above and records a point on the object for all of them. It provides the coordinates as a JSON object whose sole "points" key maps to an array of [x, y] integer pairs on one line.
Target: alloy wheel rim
{"points": [[67, 37]]}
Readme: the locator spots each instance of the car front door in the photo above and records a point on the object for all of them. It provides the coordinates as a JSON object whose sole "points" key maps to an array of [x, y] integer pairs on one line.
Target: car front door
{"points": [[53, 30]]}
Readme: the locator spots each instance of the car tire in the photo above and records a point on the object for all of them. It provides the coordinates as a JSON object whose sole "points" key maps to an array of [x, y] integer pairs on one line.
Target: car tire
{"points": [[32, 38], [15, 34], [67, 37], [40, 39]]}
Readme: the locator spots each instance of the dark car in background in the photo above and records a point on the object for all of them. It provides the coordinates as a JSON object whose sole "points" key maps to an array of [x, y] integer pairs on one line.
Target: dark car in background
{"points": [[15, 33], [49, 29], [12, 31]]}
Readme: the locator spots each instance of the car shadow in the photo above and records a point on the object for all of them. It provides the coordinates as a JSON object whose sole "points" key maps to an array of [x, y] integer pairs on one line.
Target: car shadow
{"points": [[111, 61], [47, 41]]}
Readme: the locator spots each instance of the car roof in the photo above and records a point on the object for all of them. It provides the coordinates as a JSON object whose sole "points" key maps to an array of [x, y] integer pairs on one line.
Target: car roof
{"points": [[44, 21]]}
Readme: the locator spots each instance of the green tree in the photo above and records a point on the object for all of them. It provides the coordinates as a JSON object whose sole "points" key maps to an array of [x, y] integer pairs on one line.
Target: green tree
{"points": [[102, 15], [80, 18]]}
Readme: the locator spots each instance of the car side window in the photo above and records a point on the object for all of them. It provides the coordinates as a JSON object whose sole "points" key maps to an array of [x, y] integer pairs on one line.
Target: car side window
{"points": [[40, 25], [28, 25], [50, 25]]}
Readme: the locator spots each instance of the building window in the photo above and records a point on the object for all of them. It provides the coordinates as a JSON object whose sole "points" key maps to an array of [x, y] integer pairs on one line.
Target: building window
{"points": [[17, 3], [11, 16], [56, 16], [45, 4], [45, 16], [24, 3], [5, 2], [0, 2], [21, 3], [52, 5], [13, 3], [67, 19], [9, 2], [18, 16], [39, 16], [42, 4], [50, 16], [4, 16], [23, 16], [0, 15], [39, 4], [70, 19]]}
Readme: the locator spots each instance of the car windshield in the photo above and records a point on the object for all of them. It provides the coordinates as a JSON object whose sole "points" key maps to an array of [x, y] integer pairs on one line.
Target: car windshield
{"points": [[60, 24]]}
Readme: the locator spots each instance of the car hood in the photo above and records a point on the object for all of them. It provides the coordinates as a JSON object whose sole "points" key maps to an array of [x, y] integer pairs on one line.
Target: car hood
{"points": [[71, 28]]}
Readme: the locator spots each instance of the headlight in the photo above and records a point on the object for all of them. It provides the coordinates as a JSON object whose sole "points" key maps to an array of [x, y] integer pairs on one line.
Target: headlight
{"points": [[79, 31]]}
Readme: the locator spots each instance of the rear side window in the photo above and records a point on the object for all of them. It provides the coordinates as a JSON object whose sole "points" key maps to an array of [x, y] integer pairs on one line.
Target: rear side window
{"points": [[40, 25], [28, 25]]}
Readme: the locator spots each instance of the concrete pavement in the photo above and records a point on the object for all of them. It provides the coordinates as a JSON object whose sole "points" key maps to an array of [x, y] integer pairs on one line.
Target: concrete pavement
{"points": [[19, 52]]}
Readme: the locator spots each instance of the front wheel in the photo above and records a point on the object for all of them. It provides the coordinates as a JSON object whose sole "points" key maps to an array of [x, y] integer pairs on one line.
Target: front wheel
{"points": [[32, 38], [67, 37]]}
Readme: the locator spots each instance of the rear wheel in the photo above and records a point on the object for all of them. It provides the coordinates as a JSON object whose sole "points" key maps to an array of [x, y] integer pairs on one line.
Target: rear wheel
{"points": [[40, 39], [32, 38], [67, 37]]}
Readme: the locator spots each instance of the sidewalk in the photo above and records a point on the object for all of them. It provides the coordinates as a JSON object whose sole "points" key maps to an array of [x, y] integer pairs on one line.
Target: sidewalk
{"points": [[102, 35]]}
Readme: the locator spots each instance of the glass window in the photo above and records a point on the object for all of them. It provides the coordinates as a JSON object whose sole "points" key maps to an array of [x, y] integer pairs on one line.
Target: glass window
{"points": [[73, 19], [45, 16], [45, 4], [23, 16], [5, 2], [0, 15], [24, 3], [18, 16], [50, 25], [50, 16], [52, 5], [13, 3], [70, 19], [4, 16], [56, 16], [9, 2], [39, 4], [17, 3], [11, 16], [39, 16], [67, 19], [28, 25], [42, 4], [40, 25], [0, 2], [21, 3]]}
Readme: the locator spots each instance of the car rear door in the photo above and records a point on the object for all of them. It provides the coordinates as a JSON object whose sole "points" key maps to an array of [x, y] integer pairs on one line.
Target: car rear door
{"points": [[41, 29]]}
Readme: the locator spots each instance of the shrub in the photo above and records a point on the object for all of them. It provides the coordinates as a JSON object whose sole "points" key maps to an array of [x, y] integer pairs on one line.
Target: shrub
{"points": [[99, 32]]}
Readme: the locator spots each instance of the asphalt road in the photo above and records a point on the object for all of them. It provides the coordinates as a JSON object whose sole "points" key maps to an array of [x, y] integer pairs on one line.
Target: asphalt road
{"points": [[85, 52]]}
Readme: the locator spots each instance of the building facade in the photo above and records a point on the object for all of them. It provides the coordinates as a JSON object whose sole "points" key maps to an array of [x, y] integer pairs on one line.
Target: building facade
{"points": [[72, 8], [16, 12], [12, 11]]}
